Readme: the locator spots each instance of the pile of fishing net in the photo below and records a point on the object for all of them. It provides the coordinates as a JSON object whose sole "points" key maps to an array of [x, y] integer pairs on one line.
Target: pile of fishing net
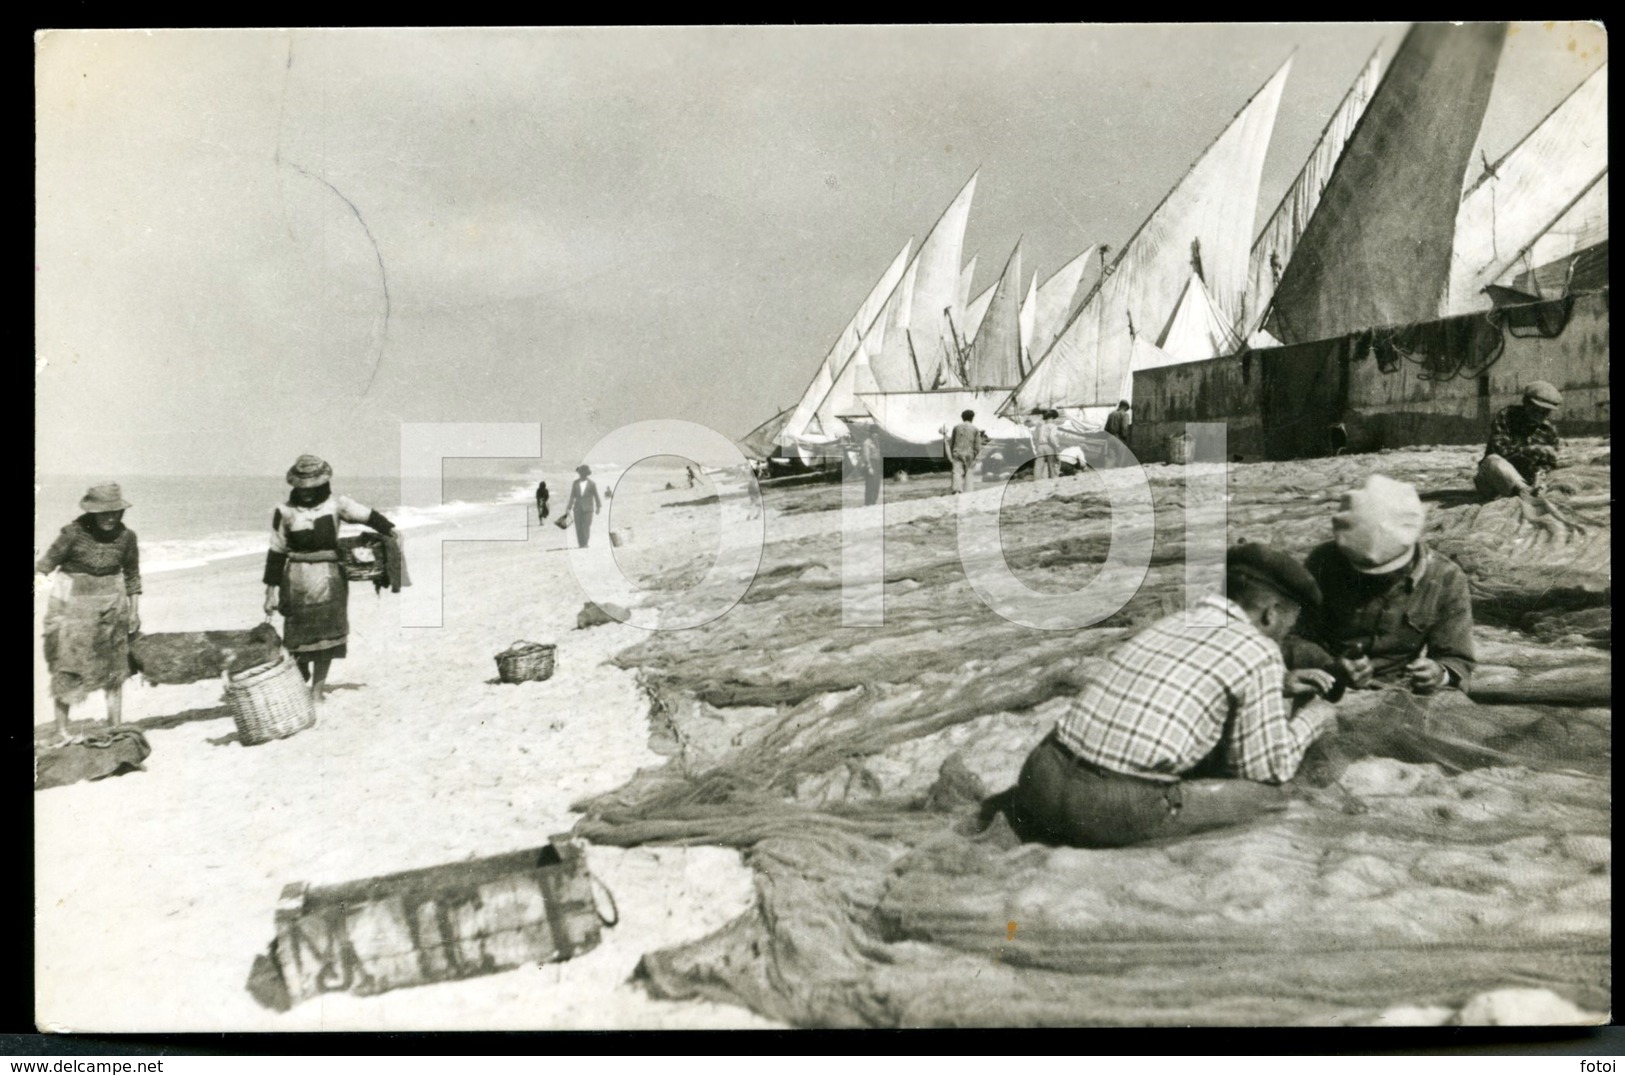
{"points": [[1439, 848]]}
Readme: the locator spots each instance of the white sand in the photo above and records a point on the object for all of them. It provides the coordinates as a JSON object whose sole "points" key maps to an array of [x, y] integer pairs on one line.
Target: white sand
{"points": [[155, 890]]}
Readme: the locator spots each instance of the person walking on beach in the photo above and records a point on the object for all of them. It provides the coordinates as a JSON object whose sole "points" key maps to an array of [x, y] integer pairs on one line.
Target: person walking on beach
{"points": [[584, 502], [965, 442], [304, 579], [1117, 424], [1523, 445], [94, 607], [1047, 447], [691, 478], [872, 463], [541, 502], [1190, 727]]}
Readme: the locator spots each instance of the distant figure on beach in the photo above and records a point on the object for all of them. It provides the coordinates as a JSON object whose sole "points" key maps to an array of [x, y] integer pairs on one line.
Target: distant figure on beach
{"points": [[754, 491], [1047, 447], [1118, 425], [1191, 724], [692, 481], [95, 605], [1523, 445], [965, 443], [872, 463], [541, 502], [304, 578], [584, 503], [1394, 611]]}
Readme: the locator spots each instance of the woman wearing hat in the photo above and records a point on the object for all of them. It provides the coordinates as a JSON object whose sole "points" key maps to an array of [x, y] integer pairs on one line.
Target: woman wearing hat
{"points": [[94, 605], [304, 579], [584, 503]]}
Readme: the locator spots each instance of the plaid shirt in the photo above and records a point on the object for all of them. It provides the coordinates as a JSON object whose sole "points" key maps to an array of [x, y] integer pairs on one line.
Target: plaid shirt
{"points": [[1176, 691]]}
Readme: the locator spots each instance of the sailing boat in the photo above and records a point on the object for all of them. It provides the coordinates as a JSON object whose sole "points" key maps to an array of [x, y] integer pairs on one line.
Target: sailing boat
{"points": [[1204, 224], [1569, 254], [1378, 250], [888, 348], [1517, 198], [804, 413], [1273, 248]]}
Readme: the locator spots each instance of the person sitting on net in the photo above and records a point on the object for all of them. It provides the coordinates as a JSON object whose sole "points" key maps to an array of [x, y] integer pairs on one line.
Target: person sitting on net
{"points": [[1394, 612], [1191, 727], [1523, 445]]}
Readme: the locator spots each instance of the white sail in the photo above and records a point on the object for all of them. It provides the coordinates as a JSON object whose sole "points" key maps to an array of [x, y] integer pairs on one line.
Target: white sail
{"points": [[1515, 199], [1580, 226], [1274, 246], [912, 357], [978, 310], [1055, 297], [994, 360], [1197, 330], [1028, 321], [830, 365], [1204, 224], [967, 277], [921, 419]]}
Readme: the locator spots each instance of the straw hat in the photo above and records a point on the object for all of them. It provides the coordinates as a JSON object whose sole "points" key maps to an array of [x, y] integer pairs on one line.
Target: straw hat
{"points": [[308, 472], [1379, 525], [1543, 394], [583, 470], [104, 497]]}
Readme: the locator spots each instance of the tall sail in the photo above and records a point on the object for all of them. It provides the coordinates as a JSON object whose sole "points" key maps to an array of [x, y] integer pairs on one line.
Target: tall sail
{"points": [[1204, 224], [1275, 244], [1197, 330], [967, 277], [760, 442], [1055, 297], [1377, 252], [995, 354], [978, 310], [828, 367], [1028, 322], [1515, 199], [913, 357]]}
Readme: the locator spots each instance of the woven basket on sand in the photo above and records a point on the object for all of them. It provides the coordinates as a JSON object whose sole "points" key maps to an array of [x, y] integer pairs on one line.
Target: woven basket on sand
{"points": [[269, 702], [525, 661]]}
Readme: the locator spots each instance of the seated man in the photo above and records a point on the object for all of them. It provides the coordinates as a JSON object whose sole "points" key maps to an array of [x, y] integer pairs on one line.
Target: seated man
{"points": [[1393, 611], [1523, 445], [1200, 692]]}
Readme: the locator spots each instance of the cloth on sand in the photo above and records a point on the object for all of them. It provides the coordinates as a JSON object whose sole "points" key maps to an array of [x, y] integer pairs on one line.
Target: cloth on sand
{"points": [[102, 754], [192, 656], [87, 632]]}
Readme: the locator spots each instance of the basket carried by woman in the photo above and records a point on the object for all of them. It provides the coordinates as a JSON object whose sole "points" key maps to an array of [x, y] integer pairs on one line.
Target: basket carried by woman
{"points": [[270, 701]]}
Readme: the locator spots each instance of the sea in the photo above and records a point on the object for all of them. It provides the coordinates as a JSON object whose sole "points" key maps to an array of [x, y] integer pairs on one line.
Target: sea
{"points": [[190, 521]]}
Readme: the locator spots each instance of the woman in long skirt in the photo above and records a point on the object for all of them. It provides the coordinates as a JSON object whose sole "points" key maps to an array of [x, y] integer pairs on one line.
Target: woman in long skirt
{"points": [[304, 578], [584, 503], [94, 605]]}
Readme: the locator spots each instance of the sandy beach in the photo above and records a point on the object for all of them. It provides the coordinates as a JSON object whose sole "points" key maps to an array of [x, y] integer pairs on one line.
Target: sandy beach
{"points": [[156, 889]]}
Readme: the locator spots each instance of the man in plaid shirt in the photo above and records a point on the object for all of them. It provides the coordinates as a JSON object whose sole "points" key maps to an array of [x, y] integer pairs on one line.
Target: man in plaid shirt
{"points": [[1201, 693]]}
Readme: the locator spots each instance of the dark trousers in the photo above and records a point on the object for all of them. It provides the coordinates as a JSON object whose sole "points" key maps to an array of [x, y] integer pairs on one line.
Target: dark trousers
{"points": [[1061, 799], [871, 488]]}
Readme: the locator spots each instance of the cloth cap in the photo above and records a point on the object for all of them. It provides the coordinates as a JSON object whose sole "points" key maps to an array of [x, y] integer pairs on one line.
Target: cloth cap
{"points": [[1378, 525], [308, 472], [1543, 394], [104, 497], [1275, 569]]}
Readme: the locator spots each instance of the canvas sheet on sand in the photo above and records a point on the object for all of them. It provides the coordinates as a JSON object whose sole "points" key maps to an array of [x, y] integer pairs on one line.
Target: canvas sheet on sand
{"points": [[1448, 846]]}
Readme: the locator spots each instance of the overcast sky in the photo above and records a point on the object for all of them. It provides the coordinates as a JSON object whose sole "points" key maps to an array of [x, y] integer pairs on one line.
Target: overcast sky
{"points": [[586, 228]]}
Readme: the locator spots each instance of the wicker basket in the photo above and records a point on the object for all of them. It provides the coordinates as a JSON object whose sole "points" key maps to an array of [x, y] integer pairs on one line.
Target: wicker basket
{"points": [[362, 557], [270, 702], [525, 662]]}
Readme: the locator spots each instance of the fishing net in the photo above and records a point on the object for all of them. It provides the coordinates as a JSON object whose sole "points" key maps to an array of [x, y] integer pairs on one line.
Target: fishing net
{"points": [[1438, 847]]}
